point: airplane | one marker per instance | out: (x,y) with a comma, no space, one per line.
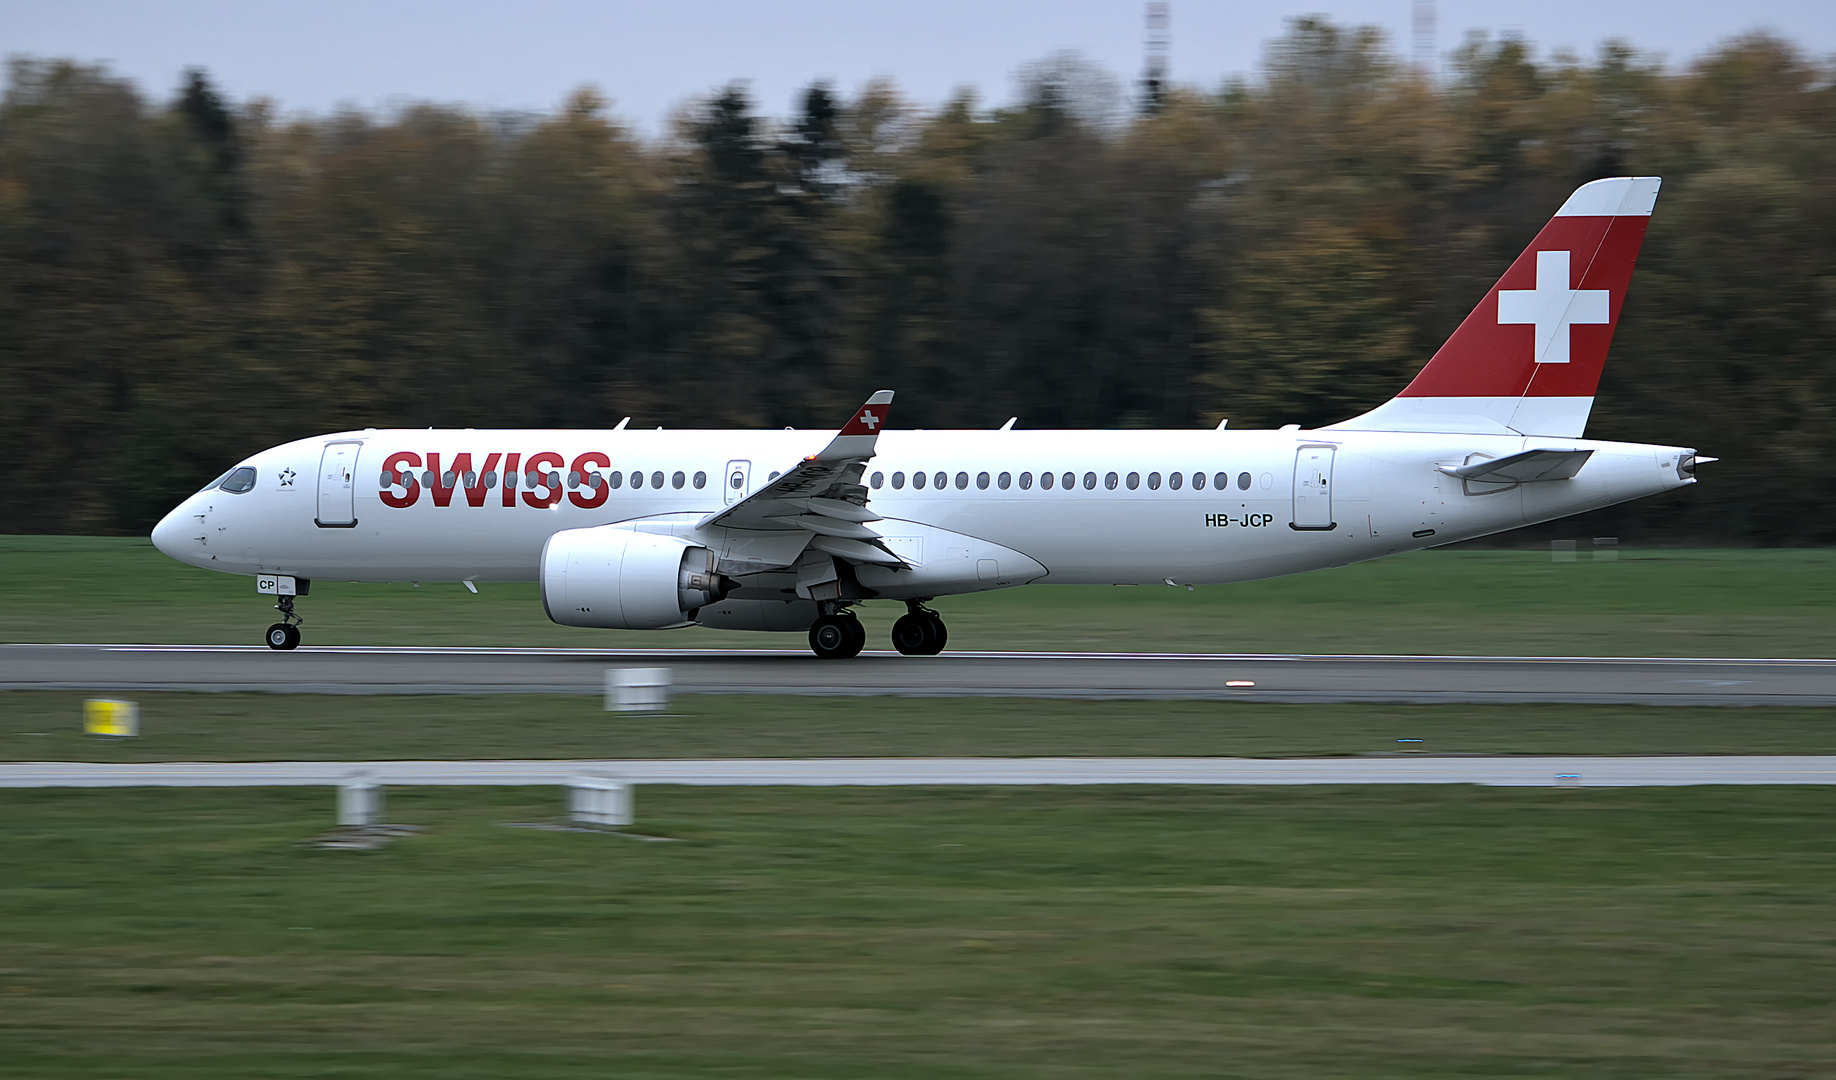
(635,529)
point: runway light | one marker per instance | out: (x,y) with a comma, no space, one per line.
(1238,682)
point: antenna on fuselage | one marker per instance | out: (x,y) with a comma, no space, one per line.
(1009,426)
(620,426)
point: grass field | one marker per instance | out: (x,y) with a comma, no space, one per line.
(1017,932)
(45,726)
(1656,603)
(1370,932)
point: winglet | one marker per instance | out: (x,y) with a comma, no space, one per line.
(857,437)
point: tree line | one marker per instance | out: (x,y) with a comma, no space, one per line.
(183,282)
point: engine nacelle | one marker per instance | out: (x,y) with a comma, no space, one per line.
(616,578)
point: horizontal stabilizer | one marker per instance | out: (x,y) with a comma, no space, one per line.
(1524,468)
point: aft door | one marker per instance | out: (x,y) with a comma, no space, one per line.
(738,480)
(337,470)
(1312,487)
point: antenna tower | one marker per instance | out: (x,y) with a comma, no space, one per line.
(1425,59)
(1154,78)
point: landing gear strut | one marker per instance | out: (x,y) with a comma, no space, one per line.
(920,631)
(837,635)
(286,633)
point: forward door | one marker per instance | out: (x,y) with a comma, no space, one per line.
(1313,487)
(337,492)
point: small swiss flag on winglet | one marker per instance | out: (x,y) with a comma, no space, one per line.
(870,418)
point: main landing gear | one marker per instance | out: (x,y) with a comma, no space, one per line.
(920,631)
(286,633)
(838,635)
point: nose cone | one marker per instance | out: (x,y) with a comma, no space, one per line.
(169,533)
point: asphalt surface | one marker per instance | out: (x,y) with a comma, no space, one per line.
(831,772)
(1235,677)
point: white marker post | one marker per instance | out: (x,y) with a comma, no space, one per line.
(637,689)
(599,801)
(360,801)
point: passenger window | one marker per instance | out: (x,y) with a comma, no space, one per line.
(1004,481)
(1045,481)
(595,481)
(427,478)
(1090,481)
(701,480)
(940,481)
(918,480)
(239,480)
(470,478)
(1026,481)
(490,478)
(617,479)
(1174,480)
(1110,481)
(637,480)
(446,478)
(554,480)
(678,480)
(1198,481)
(898,481)
(981,481)
(510,480)
(1243,481)
(1153,481)
(1221,481)
(1068,481)
(962,481)
(879,480)
(573,479)
(1134,480)
(774,475)
(656,480)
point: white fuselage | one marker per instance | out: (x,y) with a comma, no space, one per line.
(1291,501)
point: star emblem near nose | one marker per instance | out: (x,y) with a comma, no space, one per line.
(286,477)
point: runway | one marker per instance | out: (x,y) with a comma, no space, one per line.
(1191,676)
(880,772)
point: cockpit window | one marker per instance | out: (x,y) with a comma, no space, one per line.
(239,480)
(218,482)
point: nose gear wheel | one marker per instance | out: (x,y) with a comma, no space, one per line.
(286,633)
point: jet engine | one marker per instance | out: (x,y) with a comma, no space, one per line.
(616,578)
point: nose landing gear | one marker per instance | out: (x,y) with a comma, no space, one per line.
(286,633)
(920,631)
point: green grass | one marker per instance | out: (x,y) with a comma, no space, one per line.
(1682,603)
(1325,932)
(45,726)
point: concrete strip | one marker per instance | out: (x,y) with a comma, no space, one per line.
(826,772)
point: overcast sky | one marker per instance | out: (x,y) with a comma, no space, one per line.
(313,56)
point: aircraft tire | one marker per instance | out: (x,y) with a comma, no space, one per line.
(837,637)
(913,635)
(942,633)
(282,636)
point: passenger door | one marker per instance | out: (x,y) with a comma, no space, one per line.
(337,493)
(1312,488)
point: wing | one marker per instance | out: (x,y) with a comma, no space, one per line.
(823,494)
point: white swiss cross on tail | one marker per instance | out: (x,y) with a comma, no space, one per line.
(872,421)
(1552,307)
